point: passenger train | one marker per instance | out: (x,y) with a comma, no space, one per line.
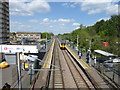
(63,46)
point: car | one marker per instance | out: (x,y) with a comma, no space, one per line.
(100,60)
(4,64)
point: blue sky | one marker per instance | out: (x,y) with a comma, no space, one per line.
(57,17)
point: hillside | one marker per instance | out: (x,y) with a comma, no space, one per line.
(102,31)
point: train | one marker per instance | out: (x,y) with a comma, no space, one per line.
(63,46)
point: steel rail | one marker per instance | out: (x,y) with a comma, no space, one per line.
(56,79)
(78,78)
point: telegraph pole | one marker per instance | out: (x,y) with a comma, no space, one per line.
(90,45)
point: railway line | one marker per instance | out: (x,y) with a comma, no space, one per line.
(65,72)
(77,78)
(56,78)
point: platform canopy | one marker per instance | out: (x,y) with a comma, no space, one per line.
(104,53)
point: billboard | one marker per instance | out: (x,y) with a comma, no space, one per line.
(18,48)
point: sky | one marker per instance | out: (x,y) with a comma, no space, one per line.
(58,17)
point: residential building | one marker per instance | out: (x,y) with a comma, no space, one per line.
(4,21)
(17,36)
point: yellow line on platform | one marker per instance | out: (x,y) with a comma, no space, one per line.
(48,59)
(82,62)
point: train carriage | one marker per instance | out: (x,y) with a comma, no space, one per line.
(62,46)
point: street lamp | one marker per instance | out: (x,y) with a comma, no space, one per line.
(89,44)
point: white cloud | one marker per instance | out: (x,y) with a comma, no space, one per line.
(105,19)
(60,20)
(39,7)
(94,6)
(71,5)
(76,24)
(33,21)
(30,8)
(19,27)
(77,28)
(65,20)
(65,5)
(45,27)
(45,20)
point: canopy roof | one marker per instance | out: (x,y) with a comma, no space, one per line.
(104,53)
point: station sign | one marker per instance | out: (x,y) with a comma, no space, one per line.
(18,48)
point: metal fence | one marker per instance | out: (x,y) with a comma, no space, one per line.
(110,70)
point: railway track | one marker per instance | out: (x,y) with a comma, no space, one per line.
(73,75)
(78,75)
(56,78)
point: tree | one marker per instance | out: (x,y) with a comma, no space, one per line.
(102,31)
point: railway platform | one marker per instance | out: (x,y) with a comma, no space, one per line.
(41,77)
(93,74)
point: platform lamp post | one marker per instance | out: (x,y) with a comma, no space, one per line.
(46,42)
(89,44)
(89,51)
(77,44)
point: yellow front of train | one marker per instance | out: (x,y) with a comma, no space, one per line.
(62,46)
